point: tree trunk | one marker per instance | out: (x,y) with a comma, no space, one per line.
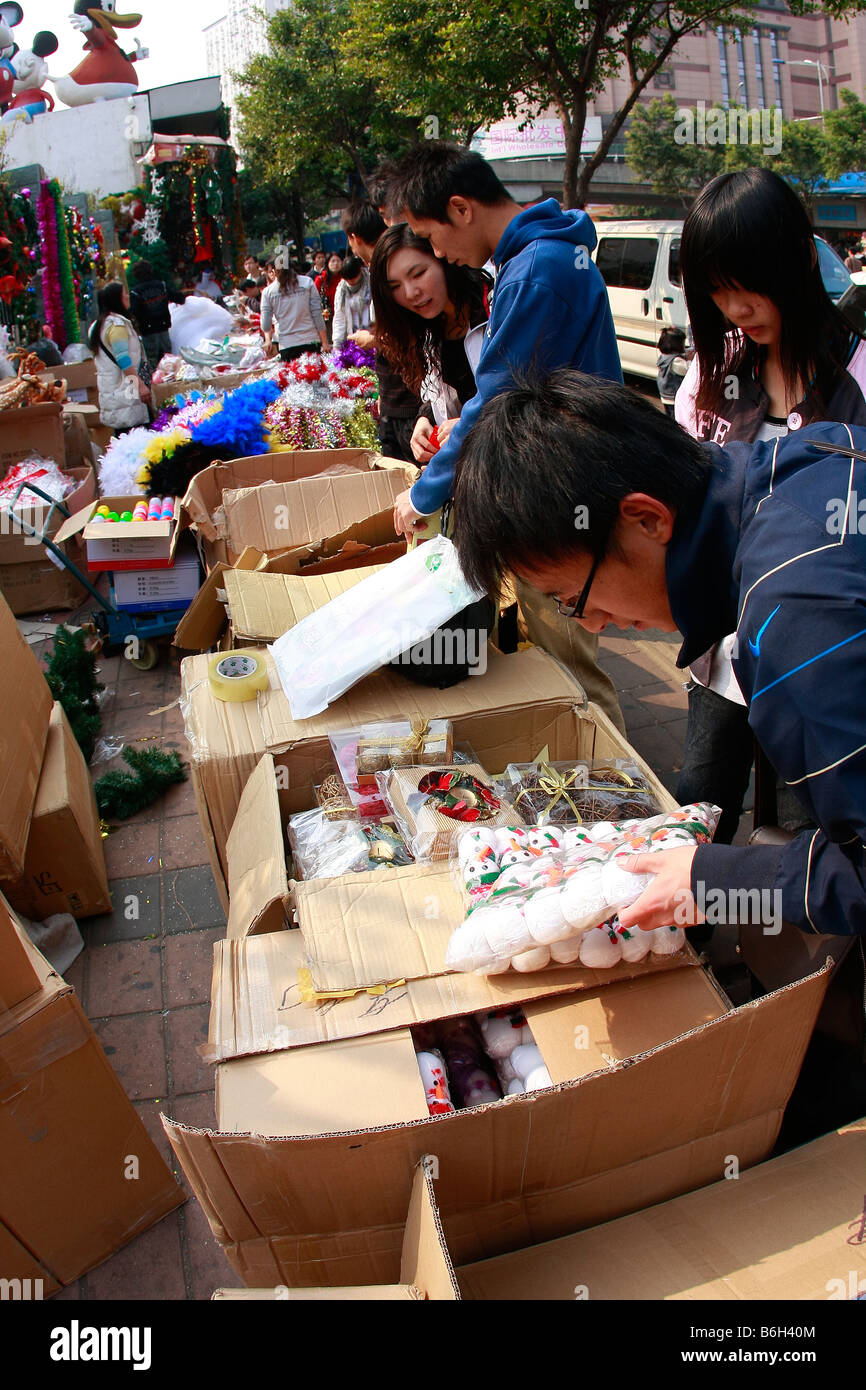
(573,123)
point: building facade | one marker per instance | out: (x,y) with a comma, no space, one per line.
(230,43)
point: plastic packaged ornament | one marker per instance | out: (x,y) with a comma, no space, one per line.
(432,806)
(324,848)
(554,793)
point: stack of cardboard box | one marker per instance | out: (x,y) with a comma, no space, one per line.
(51,857)
(656,1078)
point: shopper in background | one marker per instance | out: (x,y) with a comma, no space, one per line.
(327,283)
(550,309)
(290,304)
(150,298)
(772,354)
(118,355)
(672,366)
(352,303)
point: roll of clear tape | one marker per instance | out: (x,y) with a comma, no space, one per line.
(238,676)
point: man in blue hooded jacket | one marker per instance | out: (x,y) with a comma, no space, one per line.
(549,309)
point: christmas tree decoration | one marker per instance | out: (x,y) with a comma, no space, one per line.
(58,287)
(123,794)
(71,677)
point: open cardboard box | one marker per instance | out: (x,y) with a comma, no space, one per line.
(69,1137)
(124,545)
(520,705)
(80,378)
(30,580)
(781,1232)
(36,429)
(657,1081)
(359,546)
(64,868)
(276,501)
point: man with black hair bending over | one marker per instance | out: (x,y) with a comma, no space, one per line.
(550,309)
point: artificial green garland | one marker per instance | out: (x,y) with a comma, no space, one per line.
(120,794)
(71,677)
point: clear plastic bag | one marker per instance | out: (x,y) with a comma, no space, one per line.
(540,894)
(432,806)
(578,792)
(369,625)
(324,848)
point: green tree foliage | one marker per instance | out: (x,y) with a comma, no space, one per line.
(845,130)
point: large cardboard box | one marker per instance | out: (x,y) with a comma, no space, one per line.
(37,429)
(123,545)
(79,1174)
(781,1232)
(360,546)
(32,580)
(26,704)
(308,1179)
(19,978)
(80,378)
(520,705)
(64,868)
(172,587)
(278,501)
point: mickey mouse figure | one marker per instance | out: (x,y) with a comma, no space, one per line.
(27,68)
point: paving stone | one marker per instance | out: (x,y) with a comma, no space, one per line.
(132,850)
(124,977)
(183,845)
(208,1266)
(189,966)
(116,926)
(186,1029)
(135,1048)
(191,900)
(149,1267)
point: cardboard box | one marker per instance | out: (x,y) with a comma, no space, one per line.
(26,703)
(69,1138)
(19,978)
(32,580)
(64,868)
(262,606)
(80,378)
(17,547)
(360,546)
(123,545)
(673,1081)
(37,429)
(276,501)
(175,587)
(781,1232)
(522,704)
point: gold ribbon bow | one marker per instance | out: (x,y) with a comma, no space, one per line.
(411,743)
(554,785)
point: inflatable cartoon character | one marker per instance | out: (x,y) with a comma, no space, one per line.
(107,71)
(31,73)
(10,17)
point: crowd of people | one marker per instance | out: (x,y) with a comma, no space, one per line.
(499,375)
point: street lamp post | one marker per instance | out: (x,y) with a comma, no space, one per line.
(808,63)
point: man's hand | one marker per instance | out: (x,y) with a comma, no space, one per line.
(420,441)
(668,900)
(364,338)
(406,519)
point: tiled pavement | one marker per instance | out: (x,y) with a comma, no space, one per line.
(144,980)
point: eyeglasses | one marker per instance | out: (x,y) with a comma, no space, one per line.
(578,608)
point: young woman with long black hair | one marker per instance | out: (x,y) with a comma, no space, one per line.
(430,317)
(772,353)
(118,357)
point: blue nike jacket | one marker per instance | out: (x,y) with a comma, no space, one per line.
(777,554)
(550,309)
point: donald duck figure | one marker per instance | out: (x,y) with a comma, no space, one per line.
(107,71)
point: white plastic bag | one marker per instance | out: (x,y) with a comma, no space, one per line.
(369,625)
(195,319)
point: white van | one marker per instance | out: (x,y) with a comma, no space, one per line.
(640,264)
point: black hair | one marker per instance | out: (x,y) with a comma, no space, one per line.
(379,185)
(544,449)
(434,171)
(749,229)
(351,268)
(411,344)
(109,301)
(141,270)
(363,220)
(248,285)
(671,340)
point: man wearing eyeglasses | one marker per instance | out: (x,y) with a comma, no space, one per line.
(686,536)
